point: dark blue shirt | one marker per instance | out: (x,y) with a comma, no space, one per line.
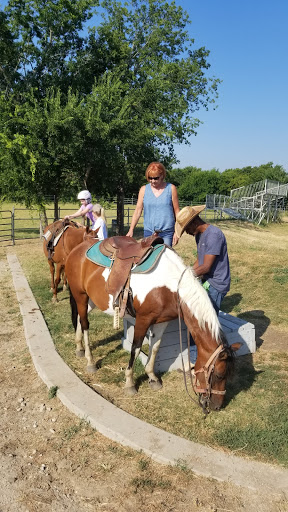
(212,241)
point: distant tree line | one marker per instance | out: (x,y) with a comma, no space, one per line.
(193,183)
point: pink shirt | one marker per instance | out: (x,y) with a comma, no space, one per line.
(89,213)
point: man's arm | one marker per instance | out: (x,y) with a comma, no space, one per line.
(200,270)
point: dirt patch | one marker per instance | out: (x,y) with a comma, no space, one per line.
(50,461)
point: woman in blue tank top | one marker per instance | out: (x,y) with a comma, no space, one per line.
(160,203)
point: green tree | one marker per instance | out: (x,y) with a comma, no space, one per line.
(138,80)
(47,35)
(199,183)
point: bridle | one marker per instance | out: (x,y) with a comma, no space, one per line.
(207,369)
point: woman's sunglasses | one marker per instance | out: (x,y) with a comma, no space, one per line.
(156,178)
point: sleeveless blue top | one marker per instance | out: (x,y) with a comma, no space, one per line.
(158,211)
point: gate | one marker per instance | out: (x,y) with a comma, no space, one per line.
(7,226)
(19,224)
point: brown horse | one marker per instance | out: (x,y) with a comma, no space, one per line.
(158,296)
(60,238)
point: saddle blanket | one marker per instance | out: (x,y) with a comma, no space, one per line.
(48,236)
(95,255)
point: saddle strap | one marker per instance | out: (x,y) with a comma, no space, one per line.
(118,276)
(125,298)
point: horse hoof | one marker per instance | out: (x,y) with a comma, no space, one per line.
(91,368)
(131,391)
(155,385)
(64,287)
(55,300)
(80,353)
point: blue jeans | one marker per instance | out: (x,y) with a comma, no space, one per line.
(216,299)
(167,235)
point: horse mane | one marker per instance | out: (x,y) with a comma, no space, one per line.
(192,294)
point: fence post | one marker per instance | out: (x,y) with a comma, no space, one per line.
(128,211)
(41,226)
(13,225)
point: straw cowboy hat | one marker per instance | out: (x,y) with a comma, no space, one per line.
(185,216)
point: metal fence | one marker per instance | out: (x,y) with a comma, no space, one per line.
(27,224)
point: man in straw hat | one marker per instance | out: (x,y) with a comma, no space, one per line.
(212,263)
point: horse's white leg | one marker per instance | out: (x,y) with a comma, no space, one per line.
(158,331)
(91,368)
(78,339)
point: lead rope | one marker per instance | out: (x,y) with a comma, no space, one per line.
(181,346)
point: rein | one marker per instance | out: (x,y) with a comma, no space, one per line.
(207,368)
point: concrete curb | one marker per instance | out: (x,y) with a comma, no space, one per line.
(122,427)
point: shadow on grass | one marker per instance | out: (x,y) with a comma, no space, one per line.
(243,377)
(245,374)
(260,320)
(230,301)
(256,317)
(106,341)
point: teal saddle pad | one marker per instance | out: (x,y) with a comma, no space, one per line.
(95,255)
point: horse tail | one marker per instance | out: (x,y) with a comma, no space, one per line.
(74,310)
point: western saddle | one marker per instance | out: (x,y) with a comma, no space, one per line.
(125,252)
(56,230)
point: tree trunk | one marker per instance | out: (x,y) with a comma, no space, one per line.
(120,211)
(56,206)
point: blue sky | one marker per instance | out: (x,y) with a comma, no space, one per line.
(248,41)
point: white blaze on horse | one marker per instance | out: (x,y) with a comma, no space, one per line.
(157,297)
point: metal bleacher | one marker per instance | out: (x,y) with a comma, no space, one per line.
(260,201)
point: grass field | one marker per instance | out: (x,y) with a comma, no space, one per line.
(254,422)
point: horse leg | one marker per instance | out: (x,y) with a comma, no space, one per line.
(78,340)
(83,310)
(57,281)
(64,278)
(158,330)
(52,272)
(139,333)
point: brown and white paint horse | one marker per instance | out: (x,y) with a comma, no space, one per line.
(156,298)
(73,235)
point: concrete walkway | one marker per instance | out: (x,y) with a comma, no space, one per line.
(121,426)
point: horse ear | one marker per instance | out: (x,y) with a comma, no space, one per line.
(236,346)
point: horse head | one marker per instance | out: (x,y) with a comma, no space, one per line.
(215,357)
(90,233)
(210,375)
